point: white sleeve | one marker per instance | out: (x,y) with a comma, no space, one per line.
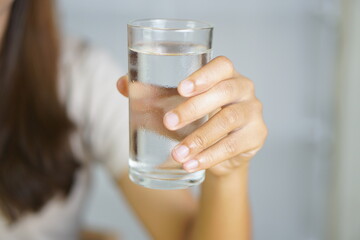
(98,109)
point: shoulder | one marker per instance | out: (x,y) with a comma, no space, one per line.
(80,56)
(85,72)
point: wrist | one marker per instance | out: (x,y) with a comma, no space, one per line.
(238,174)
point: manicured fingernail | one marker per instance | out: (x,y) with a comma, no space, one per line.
(181,152)
(191,165)
(186,87)
(171,119)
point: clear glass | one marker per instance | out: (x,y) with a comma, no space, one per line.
(162,52)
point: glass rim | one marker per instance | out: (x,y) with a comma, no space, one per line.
(206,26)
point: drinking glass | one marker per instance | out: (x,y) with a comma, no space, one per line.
(161,53)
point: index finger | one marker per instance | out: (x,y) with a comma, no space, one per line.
(218,69)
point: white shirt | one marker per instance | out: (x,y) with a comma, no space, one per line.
(87,87)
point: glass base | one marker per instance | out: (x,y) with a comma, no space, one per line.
(166,179)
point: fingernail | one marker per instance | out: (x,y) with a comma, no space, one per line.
(171,119)
(186,87)
(191,165)
(181,152)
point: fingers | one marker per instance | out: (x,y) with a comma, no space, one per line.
(122,85)
(225,92)
(225,121)
(229,119)
(235,132)
(243,143)
(218,69)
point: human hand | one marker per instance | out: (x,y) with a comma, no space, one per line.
(235,130)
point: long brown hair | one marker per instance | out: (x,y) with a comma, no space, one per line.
(36,162)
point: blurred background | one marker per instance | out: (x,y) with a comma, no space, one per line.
(301,54)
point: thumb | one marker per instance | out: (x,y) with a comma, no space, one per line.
(122,85)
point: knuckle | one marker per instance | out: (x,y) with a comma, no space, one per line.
(225,119)
(262,134)
(250,86)
(198,141)
(222,124)
(265,131)
(227,89)
(231,116)
(226,61)
(192,108)
(207,160)
(257,105)
(230,146)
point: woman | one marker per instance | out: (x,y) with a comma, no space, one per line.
(59,112)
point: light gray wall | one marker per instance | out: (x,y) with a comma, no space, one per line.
(288,48)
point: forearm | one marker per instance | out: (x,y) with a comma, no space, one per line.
(224,208)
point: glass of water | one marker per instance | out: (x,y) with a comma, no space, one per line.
(162,52)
